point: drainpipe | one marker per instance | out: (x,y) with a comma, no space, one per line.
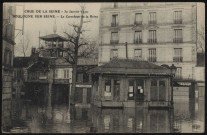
(126,51)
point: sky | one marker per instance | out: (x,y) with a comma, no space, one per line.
(44,26)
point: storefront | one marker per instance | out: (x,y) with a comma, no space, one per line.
(130,83)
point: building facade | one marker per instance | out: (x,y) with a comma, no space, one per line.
(8,49)
(162,33)
(8,36)
(130,83)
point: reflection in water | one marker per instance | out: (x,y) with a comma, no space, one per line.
(187,116)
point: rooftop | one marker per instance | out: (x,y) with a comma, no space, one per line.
(129,66)
(53,37)
(20,62)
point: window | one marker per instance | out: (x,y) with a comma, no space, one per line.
(178,74)
(60,44)
(152,18)
(178,17)
(85,78)
(177,55)
(79,77)
(114,20)
(114,38)
(114,53)
(157,90)
(178,36)
(152,55)
(138,37)
(8,31)
(60,53)
(115,4)
(7,57)
(131,90)
(108,86)
(138,53)
(66,73)
(53,44)
(152,36)
(107,92)
(138,18)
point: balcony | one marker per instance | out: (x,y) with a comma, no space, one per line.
(138,41)
(153,22)
(152,41)
(177,40)
(114,24)
(178,21)
(177,59)
(152,59)
(138,23)
(114,42)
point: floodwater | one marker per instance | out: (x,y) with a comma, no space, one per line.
(26,117)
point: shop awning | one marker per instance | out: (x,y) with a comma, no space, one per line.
(130,66)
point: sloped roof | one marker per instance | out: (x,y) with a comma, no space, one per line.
(130,66)
(20,62)
(52,37)
(41,64)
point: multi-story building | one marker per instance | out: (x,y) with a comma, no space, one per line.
(8,43)
(162,33)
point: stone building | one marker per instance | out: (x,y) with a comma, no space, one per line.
(162,33)
(8,36)
(8,48)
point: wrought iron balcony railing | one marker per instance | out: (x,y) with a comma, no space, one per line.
(152,59)
(113,24)
(178,40)
(151,41)
(114,41)
(180,21)
(138,23)
(137,41)
(177,59)
(153,22)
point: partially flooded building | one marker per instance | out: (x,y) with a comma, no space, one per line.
(131,83)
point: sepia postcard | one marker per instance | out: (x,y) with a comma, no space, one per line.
(103,67)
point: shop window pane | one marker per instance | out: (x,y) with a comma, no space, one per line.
(131,90)
(153,83)
(153,91)
(162,91)
(108,85)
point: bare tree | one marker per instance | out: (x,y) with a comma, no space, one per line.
(201,39)
(78,46)
(23,46)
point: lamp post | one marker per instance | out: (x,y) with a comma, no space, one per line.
(173,71)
